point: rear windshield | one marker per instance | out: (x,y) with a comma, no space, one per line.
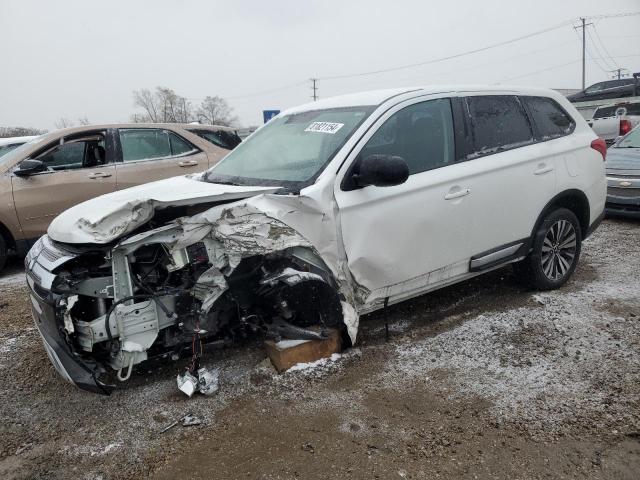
(604,112)
(615,110)
(219,138)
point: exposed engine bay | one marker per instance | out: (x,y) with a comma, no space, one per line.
(166,292)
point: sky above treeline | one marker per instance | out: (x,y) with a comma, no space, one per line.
(77,58)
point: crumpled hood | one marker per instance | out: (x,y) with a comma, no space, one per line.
(108,217)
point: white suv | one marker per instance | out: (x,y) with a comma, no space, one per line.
(331,210)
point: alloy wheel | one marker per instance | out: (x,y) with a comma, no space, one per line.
(559,250)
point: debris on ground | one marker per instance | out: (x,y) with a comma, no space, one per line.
(188,420)
(206,383)
(474,376)
(287,353)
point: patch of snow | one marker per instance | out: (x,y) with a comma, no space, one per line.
(318,363)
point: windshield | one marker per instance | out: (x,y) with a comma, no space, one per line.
(291,150)
(8,156)
(632,140)
(4,149)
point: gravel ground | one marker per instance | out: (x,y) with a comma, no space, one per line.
(479,380)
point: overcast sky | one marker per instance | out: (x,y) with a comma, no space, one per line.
(81,58)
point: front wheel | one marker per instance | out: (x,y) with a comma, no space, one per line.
(3,252)
(555,251)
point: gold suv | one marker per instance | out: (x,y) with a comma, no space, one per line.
(53,172)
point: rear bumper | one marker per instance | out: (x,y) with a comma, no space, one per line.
(70,365)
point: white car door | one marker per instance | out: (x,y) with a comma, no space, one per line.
(513,173)
(403,239)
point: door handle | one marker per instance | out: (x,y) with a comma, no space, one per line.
(188,163)
(462,192)
(95,175)
(542,169)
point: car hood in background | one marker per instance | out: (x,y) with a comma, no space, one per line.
(106,218)
(623,161)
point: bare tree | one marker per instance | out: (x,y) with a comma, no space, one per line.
(161,106)
(146,100)
(63,122)
(216,111)
(84,121)
(6,132)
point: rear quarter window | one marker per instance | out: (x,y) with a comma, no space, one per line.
(550,119)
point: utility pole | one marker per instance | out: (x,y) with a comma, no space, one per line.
(618,73)
(584,48)
(314,87)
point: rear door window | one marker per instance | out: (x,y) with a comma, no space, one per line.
(144,144)
(550,119)
(499,123)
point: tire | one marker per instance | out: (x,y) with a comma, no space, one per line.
(3,252)
(554,253)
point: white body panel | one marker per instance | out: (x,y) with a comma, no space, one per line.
(395,242)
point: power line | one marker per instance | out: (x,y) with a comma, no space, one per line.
(619,72)
(599,52)
(264,92)
(584,48)
(437,60)
(558,66)
(595,30)
(470,52)
(449,57)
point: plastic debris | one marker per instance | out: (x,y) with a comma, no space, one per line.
(208,380)
(187,383)
(190,420)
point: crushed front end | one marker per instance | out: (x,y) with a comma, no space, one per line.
(232,273)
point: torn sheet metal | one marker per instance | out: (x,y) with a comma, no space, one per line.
(106,218)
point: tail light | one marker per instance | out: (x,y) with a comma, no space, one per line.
(625,127)
(600,145)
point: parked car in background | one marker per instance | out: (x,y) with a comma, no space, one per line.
(11,143)
(225,137)
(332,209)
(613,121)
(49,174)
(623,176)
(624,87)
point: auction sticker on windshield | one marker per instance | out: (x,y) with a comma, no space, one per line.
(324,127)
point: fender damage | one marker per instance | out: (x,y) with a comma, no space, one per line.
(267,265)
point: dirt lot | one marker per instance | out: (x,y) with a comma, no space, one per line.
(480,380)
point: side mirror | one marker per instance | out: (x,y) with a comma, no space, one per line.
(380,171)
(30,167)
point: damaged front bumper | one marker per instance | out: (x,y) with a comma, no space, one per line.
(227,273)
(82,372)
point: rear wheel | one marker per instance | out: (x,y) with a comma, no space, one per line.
(3,252)
(555,252)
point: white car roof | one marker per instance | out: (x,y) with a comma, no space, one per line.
(377,97)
